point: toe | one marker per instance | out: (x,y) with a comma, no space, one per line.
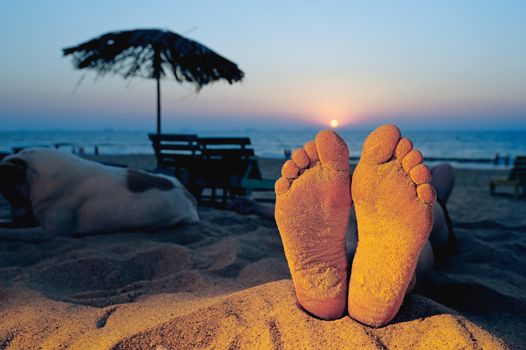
(403,148)
(282,185)
(380,144)
(332,150)
(426,193)
(412,159)
(290,170)
(300,158)
(310,149)
(420,174)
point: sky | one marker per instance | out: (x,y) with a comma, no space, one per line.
(419,64)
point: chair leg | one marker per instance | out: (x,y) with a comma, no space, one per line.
(225,193)
(213,195)
(229,191)
(195,191)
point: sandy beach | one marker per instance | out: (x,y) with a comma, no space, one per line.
(224,284)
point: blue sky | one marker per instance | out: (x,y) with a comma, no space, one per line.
(420,64)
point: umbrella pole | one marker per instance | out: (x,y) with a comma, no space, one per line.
(158,105)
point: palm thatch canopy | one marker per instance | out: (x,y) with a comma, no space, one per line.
(152,53)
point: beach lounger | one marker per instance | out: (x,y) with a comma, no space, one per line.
(215,163)
(224,161)
(515,179)
(229,164)
(178,155)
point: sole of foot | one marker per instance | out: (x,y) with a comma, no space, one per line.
(393,200)
(313,202)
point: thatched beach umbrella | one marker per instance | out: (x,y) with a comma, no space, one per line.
(151,53)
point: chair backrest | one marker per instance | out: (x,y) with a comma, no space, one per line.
(226,156)
(519,169)
(173,150)
(226,147)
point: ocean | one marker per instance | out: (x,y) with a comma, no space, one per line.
(271,143)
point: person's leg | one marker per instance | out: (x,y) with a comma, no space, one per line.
(393,201)
(425,260)
(247,206)
(313,201)
(439,236)
(442,237)
(443,180)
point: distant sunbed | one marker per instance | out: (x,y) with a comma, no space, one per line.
(515,179)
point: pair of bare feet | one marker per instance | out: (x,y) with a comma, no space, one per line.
(393,201)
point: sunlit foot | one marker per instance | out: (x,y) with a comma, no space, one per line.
(393,201)
(312,212)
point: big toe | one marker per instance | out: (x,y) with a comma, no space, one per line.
(332,150)
(380,144)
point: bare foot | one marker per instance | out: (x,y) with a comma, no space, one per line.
(393,201)
(313,201)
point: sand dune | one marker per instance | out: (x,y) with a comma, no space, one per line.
(224,283)
(266,317)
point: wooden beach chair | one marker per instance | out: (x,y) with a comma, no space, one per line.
(178,155)
(229,164)
(515,179)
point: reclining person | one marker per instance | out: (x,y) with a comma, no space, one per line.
(394,206)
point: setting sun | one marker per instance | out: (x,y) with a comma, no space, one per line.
(334,123)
